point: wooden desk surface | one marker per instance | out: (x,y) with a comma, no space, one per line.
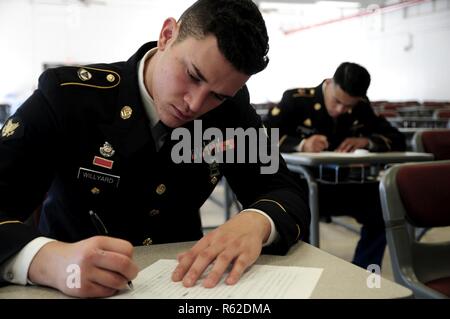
(340,279)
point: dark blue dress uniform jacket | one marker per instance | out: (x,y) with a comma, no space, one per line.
(47,152)
(302,113)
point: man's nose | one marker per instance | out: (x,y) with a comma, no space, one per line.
(195,99)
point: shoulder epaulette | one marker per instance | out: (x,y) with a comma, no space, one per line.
(89,76)
(304,92)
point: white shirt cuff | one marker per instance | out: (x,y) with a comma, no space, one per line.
(273,231)
(300,146)
(15,269)
(371,145)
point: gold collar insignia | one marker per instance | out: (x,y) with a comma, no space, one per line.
(9,128)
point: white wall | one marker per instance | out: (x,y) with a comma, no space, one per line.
(407,53)
(408,57)
(34,32)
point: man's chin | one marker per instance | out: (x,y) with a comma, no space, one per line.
(334,115)
(173,122)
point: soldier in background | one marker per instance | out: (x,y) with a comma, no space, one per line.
(337,116)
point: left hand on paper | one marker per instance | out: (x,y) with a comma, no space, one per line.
(352,143)
(237,242)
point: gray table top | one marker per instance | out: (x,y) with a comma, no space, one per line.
(322,158)
(339,279)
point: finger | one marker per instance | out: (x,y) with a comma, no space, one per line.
(186,259)
(319,148)
(324,141)
(344,150)
(100,291)
(220,266)
(349,147)
(240,265)
(362,145)
(108,279)
(318,145)
(323,145)
(203,260)
(91,290)
(115,262)
(115,244)
(343,147)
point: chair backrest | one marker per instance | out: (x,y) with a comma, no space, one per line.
(436,142)
(388,113)
(442,114)
(418,194)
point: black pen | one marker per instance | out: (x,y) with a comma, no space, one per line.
(101,229)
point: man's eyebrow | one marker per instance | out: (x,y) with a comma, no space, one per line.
(202,77)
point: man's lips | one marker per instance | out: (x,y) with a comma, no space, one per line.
(180,114)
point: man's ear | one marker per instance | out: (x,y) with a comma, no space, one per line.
(168,32)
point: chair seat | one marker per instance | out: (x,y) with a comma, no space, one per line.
(442,285)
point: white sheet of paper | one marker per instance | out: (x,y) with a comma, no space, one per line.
(337,154)
(260,281)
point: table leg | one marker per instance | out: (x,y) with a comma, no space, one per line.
(313,201)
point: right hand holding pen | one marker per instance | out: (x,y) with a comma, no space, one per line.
(315,143)
(105,266)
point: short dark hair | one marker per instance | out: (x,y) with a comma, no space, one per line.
(238,26)
(352,78)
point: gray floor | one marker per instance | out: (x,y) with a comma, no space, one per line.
(334,238)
